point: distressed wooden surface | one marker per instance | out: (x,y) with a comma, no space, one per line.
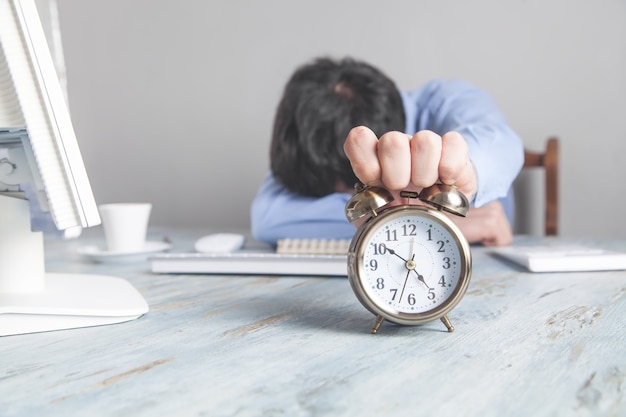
(525,344)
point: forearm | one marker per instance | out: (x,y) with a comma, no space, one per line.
(495,150)
(497,154)
(279,214)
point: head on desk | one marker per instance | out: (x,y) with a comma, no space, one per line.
(321,102)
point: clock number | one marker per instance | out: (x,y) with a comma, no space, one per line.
(393,291)
(411,299)
(440,243)
(391,235)
(442,281)
(380,283)
(373,265)
(446,263)
(380,249)
(409,230)
(429,232)
(431,294)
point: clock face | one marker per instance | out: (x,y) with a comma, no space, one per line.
(410,264)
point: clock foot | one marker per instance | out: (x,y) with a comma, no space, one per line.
(447,323)
(377,323)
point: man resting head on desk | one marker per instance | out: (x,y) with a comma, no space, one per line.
(342,120)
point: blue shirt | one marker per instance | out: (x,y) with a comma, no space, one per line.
(441,106)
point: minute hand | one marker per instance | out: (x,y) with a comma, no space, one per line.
(393,252)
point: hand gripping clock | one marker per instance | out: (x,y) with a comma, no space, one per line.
(408,264)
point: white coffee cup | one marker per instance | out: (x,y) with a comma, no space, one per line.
(125,225)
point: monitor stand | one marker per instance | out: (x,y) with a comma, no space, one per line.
(32,300)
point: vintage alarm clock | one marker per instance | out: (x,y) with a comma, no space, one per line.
(408,264)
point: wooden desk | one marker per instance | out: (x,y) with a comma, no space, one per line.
(524,345)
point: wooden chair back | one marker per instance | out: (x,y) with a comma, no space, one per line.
(549,161)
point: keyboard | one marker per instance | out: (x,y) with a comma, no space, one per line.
(293,257)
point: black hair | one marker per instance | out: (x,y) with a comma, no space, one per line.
(322,101)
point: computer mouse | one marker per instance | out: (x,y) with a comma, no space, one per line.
(219,243)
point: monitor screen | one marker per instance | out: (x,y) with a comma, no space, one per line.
(39,152)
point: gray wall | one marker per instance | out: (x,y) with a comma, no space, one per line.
(173,100)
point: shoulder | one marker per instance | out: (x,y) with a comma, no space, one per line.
(442,89)
(428,106)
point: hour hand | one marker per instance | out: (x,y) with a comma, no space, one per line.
(420,277)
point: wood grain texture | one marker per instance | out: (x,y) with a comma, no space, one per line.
(524,344)
(548,159)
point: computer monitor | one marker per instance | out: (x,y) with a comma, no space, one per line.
(39,151)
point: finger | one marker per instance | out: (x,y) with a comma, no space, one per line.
(394,155)
(425,155)
(455,166)
(361,149)
(454,157)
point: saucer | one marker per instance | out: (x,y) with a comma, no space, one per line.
(98,254)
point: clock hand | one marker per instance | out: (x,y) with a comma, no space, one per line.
(421,278)
(410,265)
(393,252)
(404,286)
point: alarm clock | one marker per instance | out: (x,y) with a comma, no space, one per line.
(408,264)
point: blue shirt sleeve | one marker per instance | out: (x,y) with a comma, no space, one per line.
(495,150)
(280,214)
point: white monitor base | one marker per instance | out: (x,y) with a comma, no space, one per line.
(70,301)
(32,300)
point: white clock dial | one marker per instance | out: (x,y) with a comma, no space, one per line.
(411,263)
